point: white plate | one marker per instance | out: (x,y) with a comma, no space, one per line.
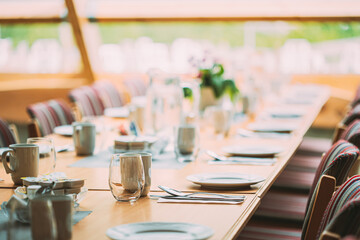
(64,130)
(117,112)
(132,138)
(67,130)
(224,180)
(253,150)
(159,231)
(272,127)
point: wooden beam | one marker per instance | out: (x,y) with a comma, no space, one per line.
(79,37)
(226,10)
(36,83)
(35,11)
(17,76)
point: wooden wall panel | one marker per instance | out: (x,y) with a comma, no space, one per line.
(13,103)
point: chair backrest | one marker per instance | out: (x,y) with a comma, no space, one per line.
(108,93)
(337,163)
(342,215)
(322,196)
(87,100)
(352,133)
(352,115)
(135,86)
(48,115)
(6,136)
(356,99)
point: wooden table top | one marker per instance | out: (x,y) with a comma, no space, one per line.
(224,219)
(233,218)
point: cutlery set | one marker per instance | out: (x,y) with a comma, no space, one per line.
(219,159)
(252,134)
(178,196)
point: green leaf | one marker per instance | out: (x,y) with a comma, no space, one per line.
(187,92)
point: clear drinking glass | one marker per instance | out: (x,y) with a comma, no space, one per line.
(126,176)
(220,119)
(47,155)
(43,220)
(186,142)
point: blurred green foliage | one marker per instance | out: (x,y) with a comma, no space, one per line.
(216,32)
(213,78)
(29,32)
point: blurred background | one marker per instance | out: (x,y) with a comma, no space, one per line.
(48,47)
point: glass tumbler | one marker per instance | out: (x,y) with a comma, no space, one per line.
(126,176)
(47,155)
(186,143)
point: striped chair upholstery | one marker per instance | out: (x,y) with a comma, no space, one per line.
(88,101)
(336,162)
(346,221)
(50,114)
(6,136)
(108,93)
(135,86)
(287,205)
(352,115)
(352,133)
(342,215)
(356,99)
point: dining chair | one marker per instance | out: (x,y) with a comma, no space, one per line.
(352,134)
(258,231)
(331,172)
(109,94)
(87,101)
(300,172)
(342,215)
(336,162)
(356,98)
(7,137)
(48,115)
(352,115)
(333,216)
(135,86)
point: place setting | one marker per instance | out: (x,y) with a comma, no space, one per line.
(247,154)
(273,126)
(43,199)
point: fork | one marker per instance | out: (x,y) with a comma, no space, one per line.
(178,193)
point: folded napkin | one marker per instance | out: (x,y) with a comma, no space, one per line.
(189,200)
(201,199)
(245,161)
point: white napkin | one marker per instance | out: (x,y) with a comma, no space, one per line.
(245,161)
(166,200)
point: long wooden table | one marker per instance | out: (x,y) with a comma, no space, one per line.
(226,220)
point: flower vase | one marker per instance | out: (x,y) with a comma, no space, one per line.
(207,98)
